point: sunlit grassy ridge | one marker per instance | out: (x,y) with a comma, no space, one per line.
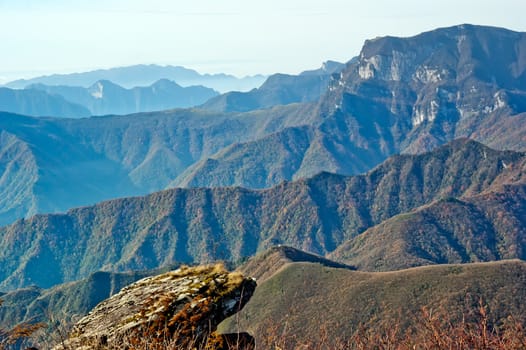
(307,302)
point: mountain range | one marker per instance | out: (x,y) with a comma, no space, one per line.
(325,214)
(278,89)
(400,95)
(145,75)
(102,98)
(358,195)
(39,103)
(52,164)
(105,97)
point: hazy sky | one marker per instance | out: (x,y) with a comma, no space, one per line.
(233,36)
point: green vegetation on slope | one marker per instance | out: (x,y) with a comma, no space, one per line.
(202,225)
(84,161)
(400,96)
(487,227)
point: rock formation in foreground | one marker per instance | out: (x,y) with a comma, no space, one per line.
(179,309)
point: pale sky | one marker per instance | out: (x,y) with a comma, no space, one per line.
(239,37)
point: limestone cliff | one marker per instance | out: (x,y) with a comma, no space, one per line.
(178,310)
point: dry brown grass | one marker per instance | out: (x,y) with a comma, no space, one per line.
(432,330)
(18,334)
(152,341)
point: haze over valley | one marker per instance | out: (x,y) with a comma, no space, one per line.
(374,197)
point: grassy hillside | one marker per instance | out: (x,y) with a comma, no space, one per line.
(305,299)
(265,264)
(60,306)
(309,302)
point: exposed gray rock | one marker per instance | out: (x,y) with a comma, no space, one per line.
(180,308)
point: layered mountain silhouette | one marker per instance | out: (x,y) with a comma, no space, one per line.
(52,164)
(145,75)
(105,97)
(320,215)
(400,95)
(278,89)
(38,103)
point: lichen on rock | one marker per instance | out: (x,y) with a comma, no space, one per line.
(178,310)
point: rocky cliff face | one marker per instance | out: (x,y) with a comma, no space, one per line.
(400,95)
(412,94)
(178,309)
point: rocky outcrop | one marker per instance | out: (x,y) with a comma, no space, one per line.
(179,309)
(410,95)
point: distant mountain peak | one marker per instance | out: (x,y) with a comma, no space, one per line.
(265,264)
(145,75)
(164,83)
(327,68)
(331,66)
(437,48)
(105,97)
(278,89)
